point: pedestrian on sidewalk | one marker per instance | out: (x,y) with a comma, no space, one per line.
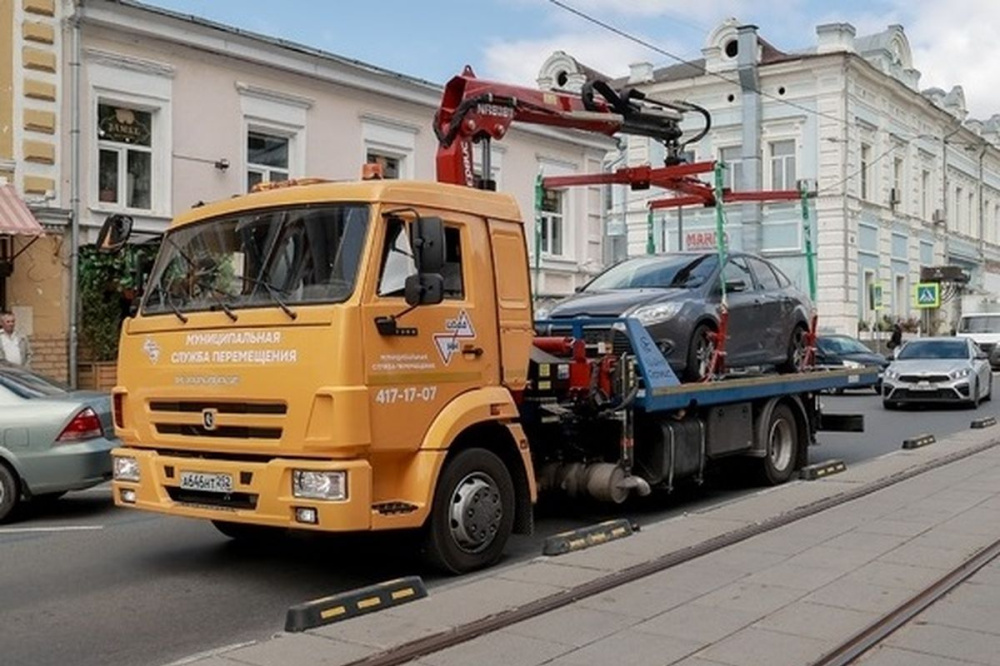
(14,347)
(896,339)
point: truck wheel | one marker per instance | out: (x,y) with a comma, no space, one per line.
(245,532)
(780,446)
(8,492)
(699,356)
(472,514)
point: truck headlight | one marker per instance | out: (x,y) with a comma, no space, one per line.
(654,314)
(308,484)
(126,468)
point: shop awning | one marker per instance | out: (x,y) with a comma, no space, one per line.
(15,217)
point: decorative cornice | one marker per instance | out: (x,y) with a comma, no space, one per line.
(250,90)
(119,61)
(389,123)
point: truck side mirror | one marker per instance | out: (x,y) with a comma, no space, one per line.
(424,289)
(428,244)
(114,233)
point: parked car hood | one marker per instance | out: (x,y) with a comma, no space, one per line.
(923,366)
(611,303)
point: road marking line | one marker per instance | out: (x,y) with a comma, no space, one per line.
(62,528)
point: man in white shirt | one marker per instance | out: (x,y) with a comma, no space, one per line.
(14,347)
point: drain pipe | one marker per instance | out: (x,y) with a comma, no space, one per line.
(74,141)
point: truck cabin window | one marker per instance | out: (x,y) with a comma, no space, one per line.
(398,264)
(301,255)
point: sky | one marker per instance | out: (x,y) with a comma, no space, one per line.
(953,42)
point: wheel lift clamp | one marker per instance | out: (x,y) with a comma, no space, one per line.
(680,178)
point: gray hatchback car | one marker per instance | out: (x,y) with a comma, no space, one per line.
(53,439)
(676,296)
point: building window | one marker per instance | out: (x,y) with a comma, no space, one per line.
(899,296)
(925,194)
(869,297)
(125,156)
(958,209)
(732,176)
(970,216)
(390,164)
(267,158)
(897,183)
(866,156)
(551,219)
(783,165)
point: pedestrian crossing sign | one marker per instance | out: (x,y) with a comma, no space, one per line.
(927,295)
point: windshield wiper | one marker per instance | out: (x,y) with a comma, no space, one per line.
(200,282)
(173,307)
(273,292)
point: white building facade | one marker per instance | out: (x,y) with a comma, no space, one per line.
(903,178)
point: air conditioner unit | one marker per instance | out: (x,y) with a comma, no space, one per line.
(937,217)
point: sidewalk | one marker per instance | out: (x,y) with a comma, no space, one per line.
(785,597)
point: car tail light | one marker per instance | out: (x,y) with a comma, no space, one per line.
(85,425)
(118,410)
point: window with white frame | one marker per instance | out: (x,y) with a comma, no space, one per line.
(925,194)
(866,158)
(970,215)
(957,208)
(732,175)
(551,235)
(389,164)
(125,156)
(897,183)
(267,158)
(899,297)
(389,143)
(783,165)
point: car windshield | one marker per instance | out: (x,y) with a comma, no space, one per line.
(842,346)
(305,254)
(28,384)
(667,272)
(933,349)
(979,324)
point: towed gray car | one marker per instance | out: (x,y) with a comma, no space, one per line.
(938,370)
(54,440)
(676,296)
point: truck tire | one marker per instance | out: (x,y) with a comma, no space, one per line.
(473,513)
(780,446)
(9,492)
(245,532)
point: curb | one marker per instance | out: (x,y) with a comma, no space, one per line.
(357,602)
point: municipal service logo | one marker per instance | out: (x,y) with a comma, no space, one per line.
(152,350)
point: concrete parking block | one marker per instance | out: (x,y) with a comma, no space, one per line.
(825,623)
(693,622)
(303,648)
(631,647)
(760,647)
(496,649)
(572,625)
(947,642)
(890,656)
(642,599)
(751,597)
(856,595)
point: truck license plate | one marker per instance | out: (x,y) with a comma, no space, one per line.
(210,483)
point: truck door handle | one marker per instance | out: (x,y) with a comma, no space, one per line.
(470,349)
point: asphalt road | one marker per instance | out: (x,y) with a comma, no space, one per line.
(86,584)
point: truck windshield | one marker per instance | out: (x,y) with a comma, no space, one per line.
(979,324)
(300,255)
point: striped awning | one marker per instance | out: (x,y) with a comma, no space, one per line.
(15,217)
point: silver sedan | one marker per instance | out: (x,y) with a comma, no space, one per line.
(938,370)
(53,440)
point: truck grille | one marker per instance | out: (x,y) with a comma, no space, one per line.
(188,407)
(198,497)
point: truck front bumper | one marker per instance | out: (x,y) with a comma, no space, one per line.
(261,492)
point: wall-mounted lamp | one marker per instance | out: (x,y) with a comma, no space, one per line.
(222,164)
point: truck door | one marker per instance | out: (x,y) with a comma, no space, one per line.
(438,351)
